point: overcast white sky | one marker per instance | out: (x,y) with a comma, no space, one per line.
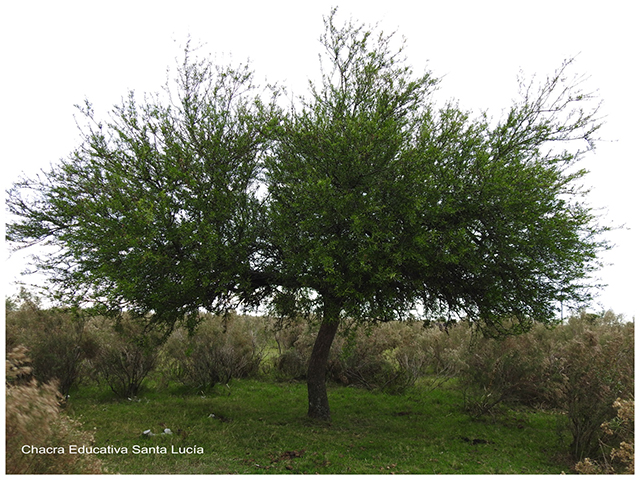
(56,54)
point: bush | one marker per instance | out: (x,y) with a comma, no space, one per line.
(579,368)
(33,418)
(593,369)
(57,339)
(222,348)
(127,354)
(358,356)
(295,339)
(369,358)
(619,459)
(444,347)
(510,370)
(291,364)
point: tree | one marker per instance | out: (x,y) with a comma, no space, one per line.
(381,204)
(378,204)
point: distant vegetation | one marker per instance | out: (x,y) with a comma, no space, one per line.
(578,374)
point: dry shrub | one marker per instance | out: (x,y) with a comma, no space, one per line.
(127,354)
(292,364)
(221,348)
(509,370)
(57,339)
(33,418)
(379,358)
(593,369)
(294,339)
(289,333)
(619,459)
(444,348)
(579,368)
(359,356)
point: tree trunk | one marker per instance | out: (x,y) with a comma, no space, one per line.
(316,381)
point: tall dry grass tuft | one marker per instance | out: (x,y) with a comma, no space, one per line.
(33,418)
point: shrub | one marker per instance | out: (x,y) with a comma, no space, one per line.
(57,340)
(291,364)
(593,370)
(127,354)
(393,356)
(619,459)
(580,368)
(287,333)
(221,348)
(294,339)
(368,358)
(509,370)
(444,347)
(33,417)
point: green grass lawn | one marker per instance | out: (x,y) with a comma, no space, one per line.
(261,427)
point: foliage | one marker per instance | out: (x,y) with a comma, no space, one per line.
(335,179)
(33,418)
(220,349)
(157,210)
(381,202)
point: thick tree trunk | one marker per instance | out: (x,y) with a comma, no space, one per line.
(316,381)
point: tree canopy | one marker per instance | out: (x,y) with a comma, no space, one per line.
(156,212)
(364,200)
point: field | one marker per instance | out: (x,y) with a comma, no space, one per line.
(261,427)
(405,398)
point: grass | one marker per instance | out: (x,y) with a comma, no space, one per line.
(261,427)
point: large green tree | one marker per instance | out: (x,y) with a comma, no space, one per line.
(364,201)
(382,204)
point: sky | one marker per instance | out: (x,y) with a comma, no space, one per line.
(57,54)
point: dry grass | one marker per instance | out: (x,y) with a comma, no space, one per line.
(34,419)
